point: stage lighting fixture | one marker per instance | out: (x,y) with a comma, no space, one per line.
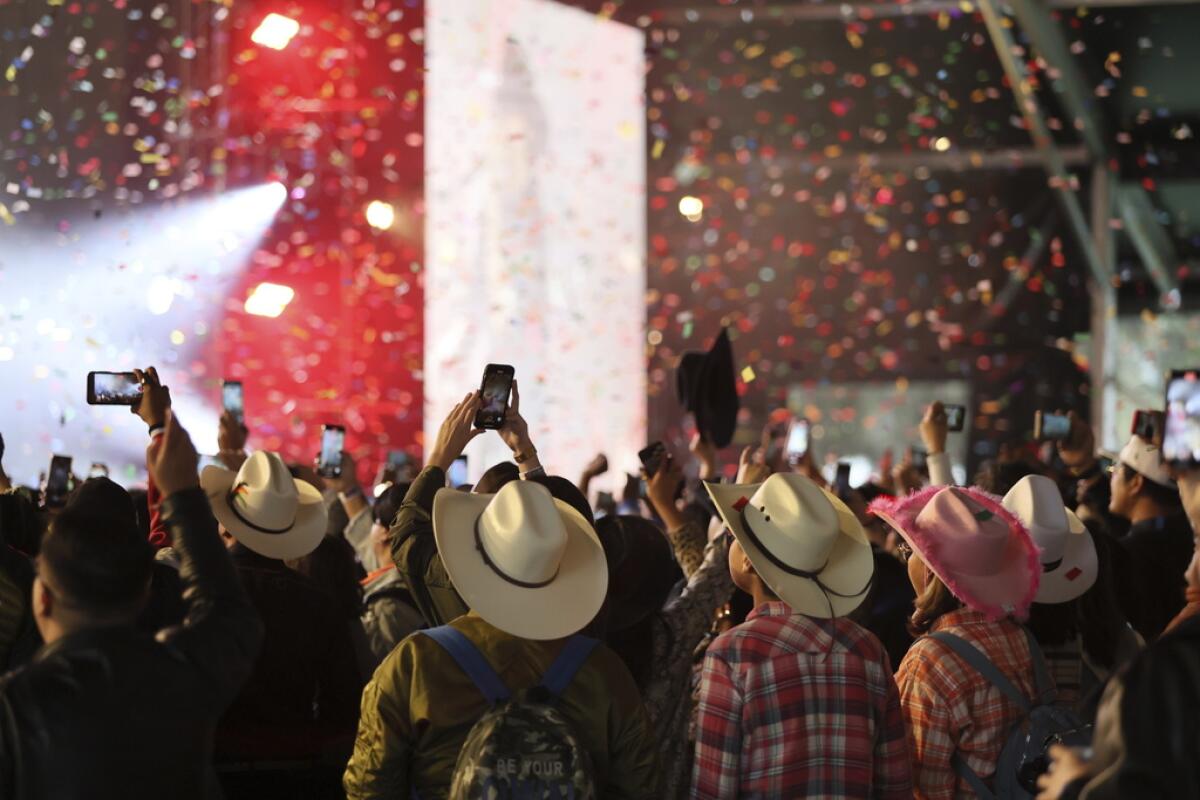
(691,207)
(941,144)
(380,215)
(269,299)
(275,31)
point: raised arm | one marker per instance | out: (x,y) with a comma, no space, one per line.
(221,632)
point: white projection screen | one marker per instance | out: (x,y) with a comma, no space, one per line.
(535,225)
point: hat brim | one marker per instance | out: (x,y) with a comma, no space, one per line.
(1078,570)
(559,609)
(1007,591)
(296,542)
(849,570)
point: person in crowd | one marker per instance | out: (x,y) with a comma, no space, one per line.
(106,710)
(300,701)
(654,629)
(1081,647)
(533,572)
(975,571)
(389,613)
(797,665)
(1145,743)
(1158,547)
(353,502)
(414,549)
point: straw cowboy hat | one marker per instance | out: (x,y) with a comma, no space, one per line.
(805,544)
(1069,564)
(976,546)
(524,561)
(265,508)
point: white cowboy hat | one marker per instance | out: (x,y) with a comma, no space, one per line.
(805,544)
(265,508)
(524,561)
(1146,459)
(1069,565)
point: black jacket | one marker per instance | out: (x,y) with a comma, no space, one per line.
(116,713)
(1149,578)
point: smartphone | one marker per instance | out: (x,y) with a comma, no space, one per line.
(458,473)
(797,441)
(956,417)
(234,400)
(652,457)
(333,442)
(398,459)
(841,484)
(1048,427)
(58,482)
(113,389)
(1147,424)
(1181,434)
(494,391)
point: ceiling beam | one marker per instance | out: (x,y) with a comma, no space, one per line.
(692,12)
(902,161)
(1154,246)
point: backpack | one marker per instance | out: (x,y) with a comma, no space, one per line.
(1025,753)
(522,748)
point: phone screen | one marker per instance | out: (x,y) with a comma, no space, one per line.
(233,399)
(652,457)
(797,441)
(113,389)
(841,485)
(333,442)
(1054,426)
(956,416)
(494,391)
(458,473)
(398,459)
(58,482)
(1181,436)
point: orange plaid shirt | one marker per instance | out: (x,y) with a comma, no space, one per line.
(951,708)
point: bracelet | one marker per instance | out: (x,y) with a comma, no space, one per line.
(537,472)
(156,429)
(521,458)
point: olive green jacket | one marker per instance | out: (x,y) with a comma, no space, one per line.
(419,707)
(415,552)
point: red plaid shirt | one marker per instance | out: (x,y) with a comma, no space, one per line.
(951,708)
(792,706)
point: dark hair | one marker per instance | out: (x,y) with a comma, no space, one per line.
(335,572)
(98,563)
(496,476)
(563,489)
(1,446)
(1054,624)
(141,509)
(387,505)
(1165,497)
(997,477)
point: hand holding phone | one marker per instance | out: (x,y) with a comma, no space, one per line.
(58,482)
(1051,427)
(956,417)
(652,457)
(494,391)
(113,389)
(233,400)
(333,442)
(841,484)
(797,441)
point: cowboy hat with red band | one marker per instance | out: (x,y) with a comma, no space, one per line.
(976,546)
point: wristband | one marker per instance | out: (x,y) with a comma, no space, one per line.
(156,430)
(537,472)
(522,457)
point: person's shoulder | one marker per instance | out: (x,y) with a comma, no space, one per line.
(858,641)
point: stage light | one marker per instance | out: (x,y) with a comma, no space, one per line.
(941,144)
(275,31)
(380,215)
(269,299)
(691,207)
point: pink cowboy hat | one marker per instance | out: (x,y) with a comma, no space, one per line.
(976,546)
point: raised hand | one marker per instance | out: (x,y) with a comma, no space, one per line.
(752,466)
(456,432)
(156,398)
(515,431)
(934,428)
(1078,450)
(231,434)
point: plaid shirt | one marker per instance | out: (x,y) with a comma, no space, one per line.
(951,708)
(792,706)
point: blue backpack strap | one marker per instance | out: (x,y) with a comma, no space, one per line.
(983,665)
(471,661)
(1044,690)
(573,656)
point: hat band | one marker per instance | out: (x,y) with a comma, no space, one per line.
(505,576)
(229,501)
(812,575)
(1052,565)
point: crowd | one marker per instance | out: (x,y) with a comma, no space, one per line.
(257,630)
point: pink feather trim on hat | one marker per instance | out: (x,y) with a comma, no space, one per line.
(902,514)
